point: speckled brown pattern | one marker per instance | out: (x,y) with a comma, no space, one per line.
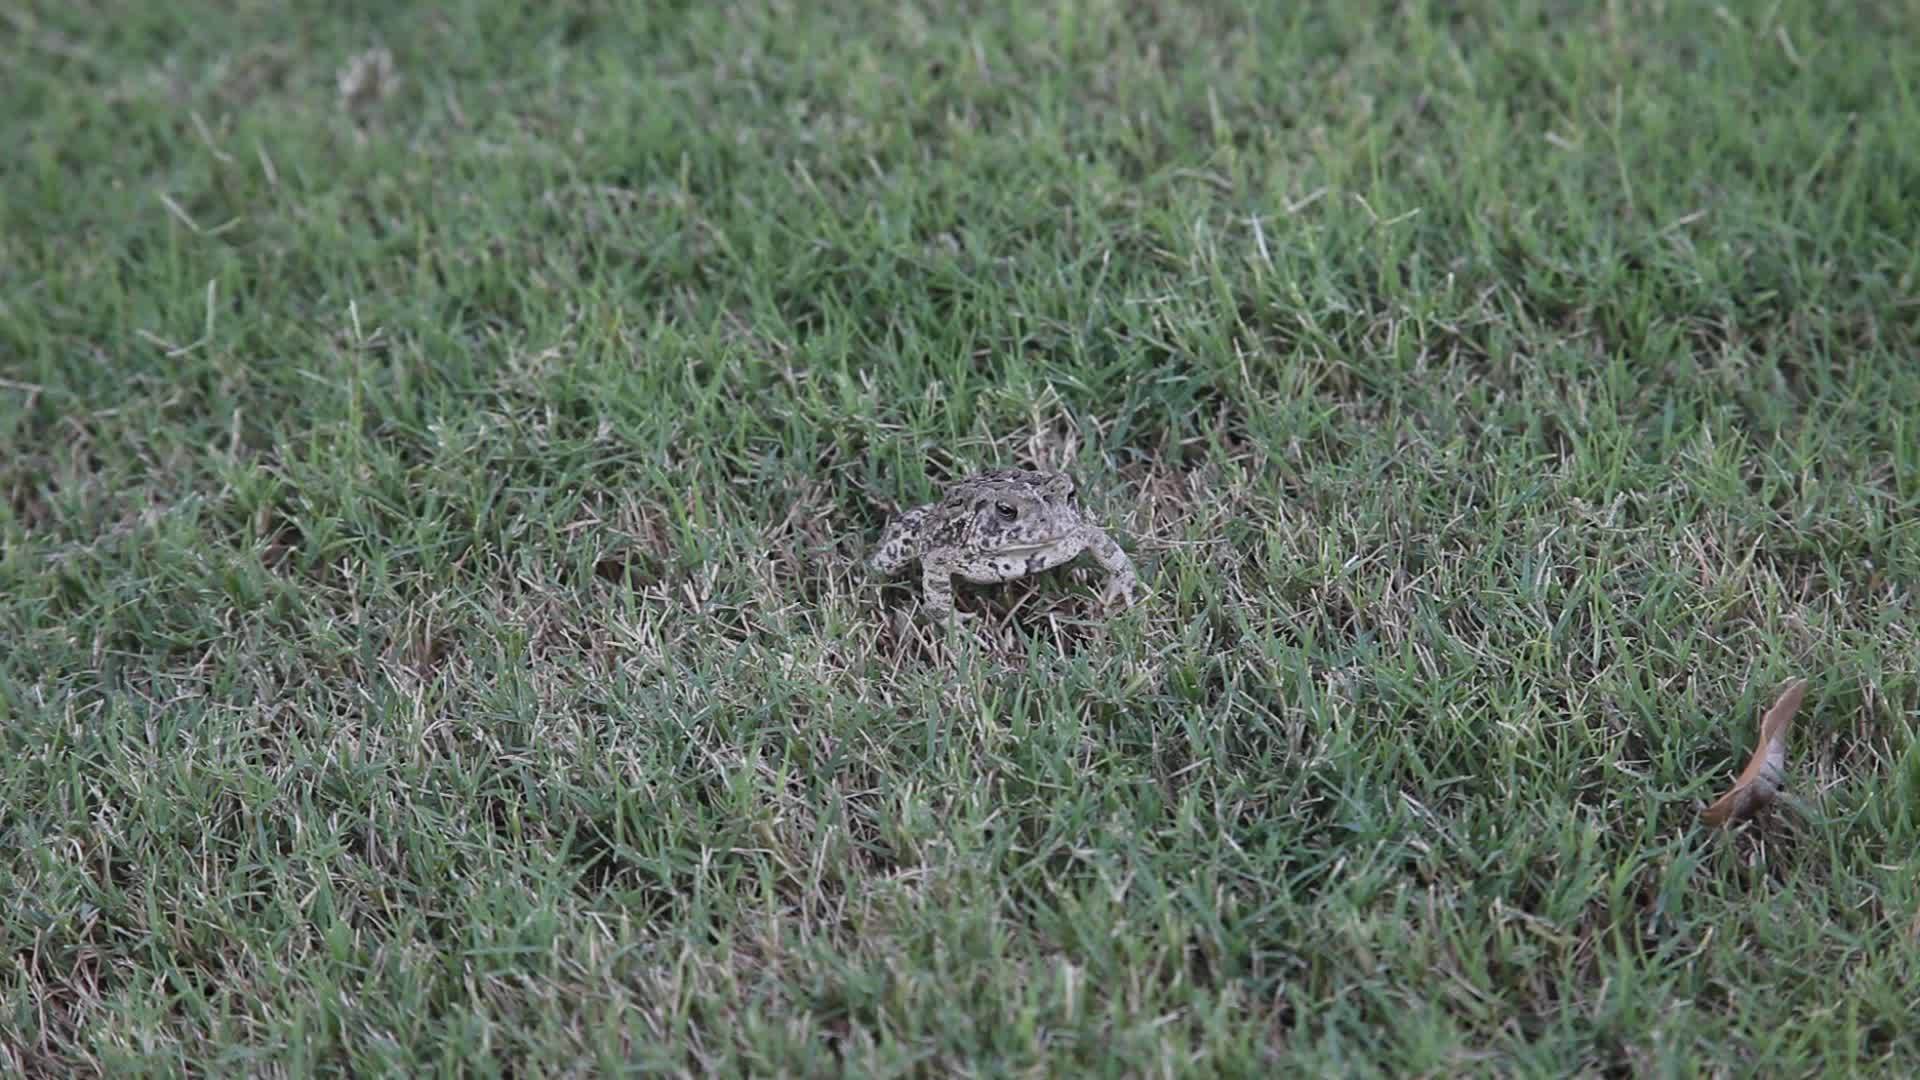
(995,526)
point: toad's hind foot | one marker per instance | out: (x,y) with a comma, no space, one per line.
(898,544)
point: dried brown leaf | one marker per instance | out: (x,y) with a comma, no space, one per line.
(1765,773)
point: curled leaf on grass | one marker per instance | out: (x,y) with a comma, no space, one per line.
(1766,771)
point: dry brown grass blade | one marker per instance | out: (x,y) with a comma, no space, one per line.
(1765,773)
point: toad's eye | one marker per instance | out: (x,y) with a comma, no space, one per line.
(1006,511)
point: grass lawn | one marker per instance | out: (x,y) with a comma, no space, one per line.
(432,631)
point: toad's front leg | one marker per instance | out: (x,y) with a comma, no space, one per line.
(936,581)
(1122,581)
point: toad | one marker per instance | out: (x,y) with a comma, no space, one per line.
(996,526)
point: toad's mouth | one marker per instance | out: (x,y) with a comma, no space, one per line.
(1030,547)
